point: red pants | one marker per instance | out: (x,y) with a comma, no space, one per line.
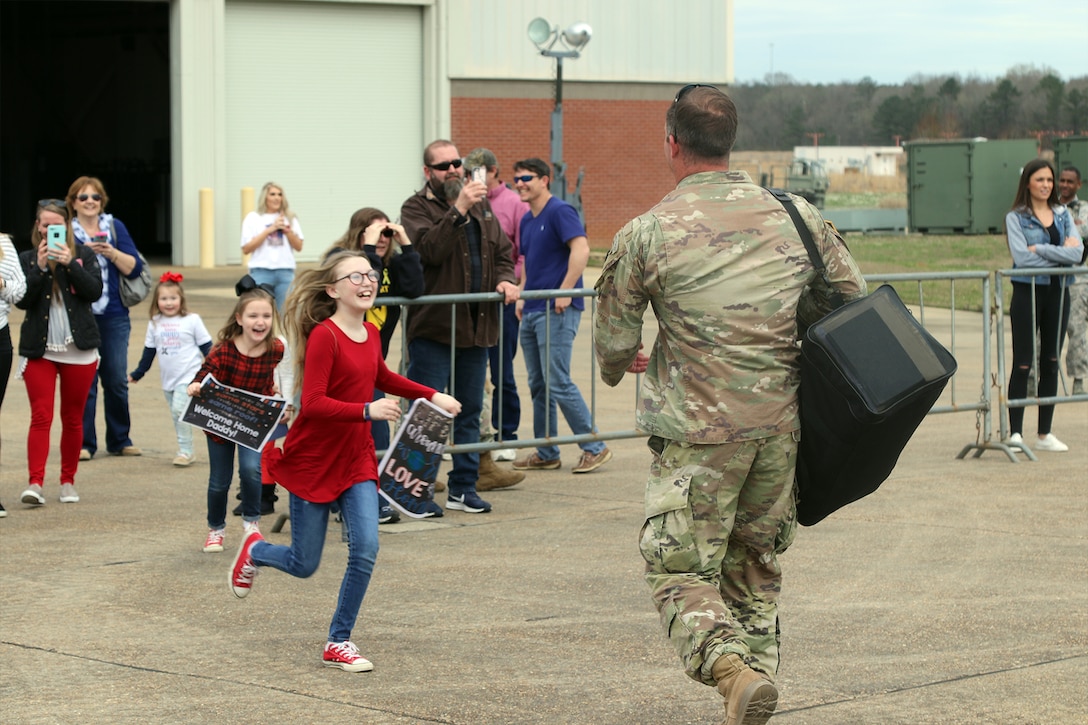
(41,385)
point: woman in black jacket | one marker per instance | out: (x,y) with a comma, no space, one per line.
(392,256)
(58,339)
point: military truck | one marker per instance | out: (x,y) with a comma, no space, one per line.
(807,179)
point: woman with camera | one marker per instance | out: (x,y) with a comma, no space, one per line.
(271,236)
(117,257)
(58,339)
(391,255)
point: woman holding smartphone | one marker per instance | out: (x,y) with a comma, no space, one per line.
(59,339)
(117,257)
(271,236)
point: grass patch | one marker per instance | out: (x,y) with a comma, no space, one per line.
(894,254)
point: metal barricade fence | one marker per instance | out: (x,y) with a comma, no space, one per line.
(1064,395)
(496,298)
(987,381)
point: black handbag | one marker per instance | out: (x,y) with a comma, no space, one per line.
(869,374)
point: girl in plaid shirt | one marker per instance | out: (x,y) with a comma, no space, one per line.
(245,356)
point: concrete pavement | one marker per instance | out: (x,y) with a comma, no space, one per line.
(955,594)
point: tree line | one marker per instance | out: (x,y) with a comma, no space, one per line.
(779,113)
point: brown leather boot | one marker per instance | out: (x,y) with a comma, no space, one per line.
(750,698)
(492,476)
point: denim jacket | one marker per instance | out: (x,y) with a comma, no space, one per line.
(1024,230)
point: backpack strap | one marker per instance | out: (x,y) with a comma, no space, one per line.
(810,244)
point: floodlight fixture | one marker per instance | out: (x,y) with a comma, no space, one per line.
(545,35)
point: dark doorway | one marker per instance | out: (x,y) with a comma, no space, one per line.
(85,89)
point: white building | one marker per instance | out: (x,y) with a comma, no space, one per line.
(866,160)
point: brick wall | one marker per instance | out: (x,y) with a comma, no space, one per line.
(619,143)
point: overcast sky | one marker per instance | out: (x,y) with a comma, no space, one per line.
(828,41)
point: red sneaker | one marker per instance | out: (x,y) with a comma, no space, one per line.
(345,655)
(244,570)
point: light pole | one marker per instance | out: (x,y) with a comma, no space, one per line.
(571,41)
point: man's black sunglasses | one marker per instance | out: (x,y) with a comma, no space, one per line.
(687,89)
(445,165)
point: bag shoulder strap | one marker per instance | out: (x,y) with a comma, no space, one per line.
(810,244)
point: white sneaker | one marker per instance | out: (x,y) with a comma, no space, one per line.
(1016,440)
(1050,443)
(68,493)
(504,454)
(33,495)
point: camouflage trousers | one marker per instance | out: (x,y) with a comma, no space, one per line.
(1076,355)
(717,517)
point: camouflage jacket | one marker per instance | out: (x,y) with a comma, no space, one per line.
(1079,209)
(721,262)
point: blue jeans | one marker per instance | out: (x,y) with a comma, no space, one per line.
(221,463)
(429,364)
(113,372)
(178,400)
(280,279)
(309,527)
(539,356)
(511,405)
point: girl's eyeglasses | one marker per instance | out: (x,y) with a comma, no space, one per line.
(356,278)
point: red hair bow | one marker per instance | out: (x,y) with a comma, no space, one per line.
(171,277)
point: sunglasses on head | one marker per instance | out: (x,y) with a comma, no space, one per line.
(688,89)
(445,165)
(85,197)
(526,178)
(42,203)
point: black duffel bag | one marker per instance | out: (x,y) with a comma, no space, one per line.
(869,374)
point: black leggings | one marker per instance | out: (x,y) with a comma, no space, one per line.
(5,360)
(1049,318)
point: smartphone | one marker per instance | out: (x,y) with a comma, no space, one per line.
(56,238)
(480,174)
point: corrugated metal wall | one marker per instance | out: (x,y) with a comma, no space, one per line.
(325,99)
(643,41)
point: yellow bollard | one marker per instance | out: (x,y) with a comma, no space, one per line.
(248,205)
(207,229)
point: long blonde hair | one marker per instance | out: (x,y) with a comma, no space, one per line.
(262,200)
(309,304)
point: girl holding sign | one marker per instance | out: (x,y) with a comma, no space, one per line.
(245,356)
(328,455)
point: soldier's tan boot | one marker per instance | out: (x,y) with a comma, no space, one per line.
(750,698)
(492,476)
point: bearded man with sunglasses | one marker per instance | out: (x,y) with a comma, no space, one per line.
(463,250)
(727,275)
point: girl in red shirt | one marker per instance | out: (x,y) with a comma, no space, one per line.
(245,356)
(328,455)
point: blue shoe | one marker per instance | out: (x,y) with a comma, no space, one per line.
(387,515)
(431,510)
(468,502)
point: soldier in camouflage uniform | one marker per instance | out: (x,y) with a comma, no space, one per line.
(728,276)
(1076,357)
